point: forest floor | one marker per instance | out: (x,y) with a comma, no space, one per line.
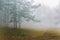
(24,34)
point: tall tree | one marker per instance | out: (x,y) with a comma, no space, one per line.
(1,4)
(15,10)
(6,12)
(22,9)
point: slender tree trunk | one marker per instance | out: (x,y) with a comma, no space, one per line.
(19,24)
(15,25)
(5,22)
(15,20)
(19,21)
(15,16)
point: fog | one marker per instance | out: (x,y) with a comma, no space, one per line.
(49,17)
(48,13)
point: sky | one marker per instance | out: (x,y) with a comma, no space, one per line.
(49,3)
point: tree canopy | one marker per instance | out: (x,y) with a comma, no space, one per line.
(14,10)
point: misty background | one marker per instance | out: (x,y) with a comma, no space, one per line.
(49,16)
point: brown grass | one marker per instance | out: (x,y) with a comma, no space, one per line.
(23,34)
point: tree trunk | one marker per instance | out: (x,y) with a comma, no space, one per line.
(15,16)
(19,25)
(19,22)
(15,25)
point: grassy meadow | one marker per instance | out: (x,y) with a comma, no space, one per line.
(7,33)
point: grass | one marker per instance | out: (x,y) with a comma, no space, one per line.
(24,34)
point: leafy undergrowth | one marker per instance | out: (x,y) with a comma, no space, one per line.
(23,34)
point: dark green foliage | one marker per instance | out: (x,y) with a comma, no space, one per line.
(15,32)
